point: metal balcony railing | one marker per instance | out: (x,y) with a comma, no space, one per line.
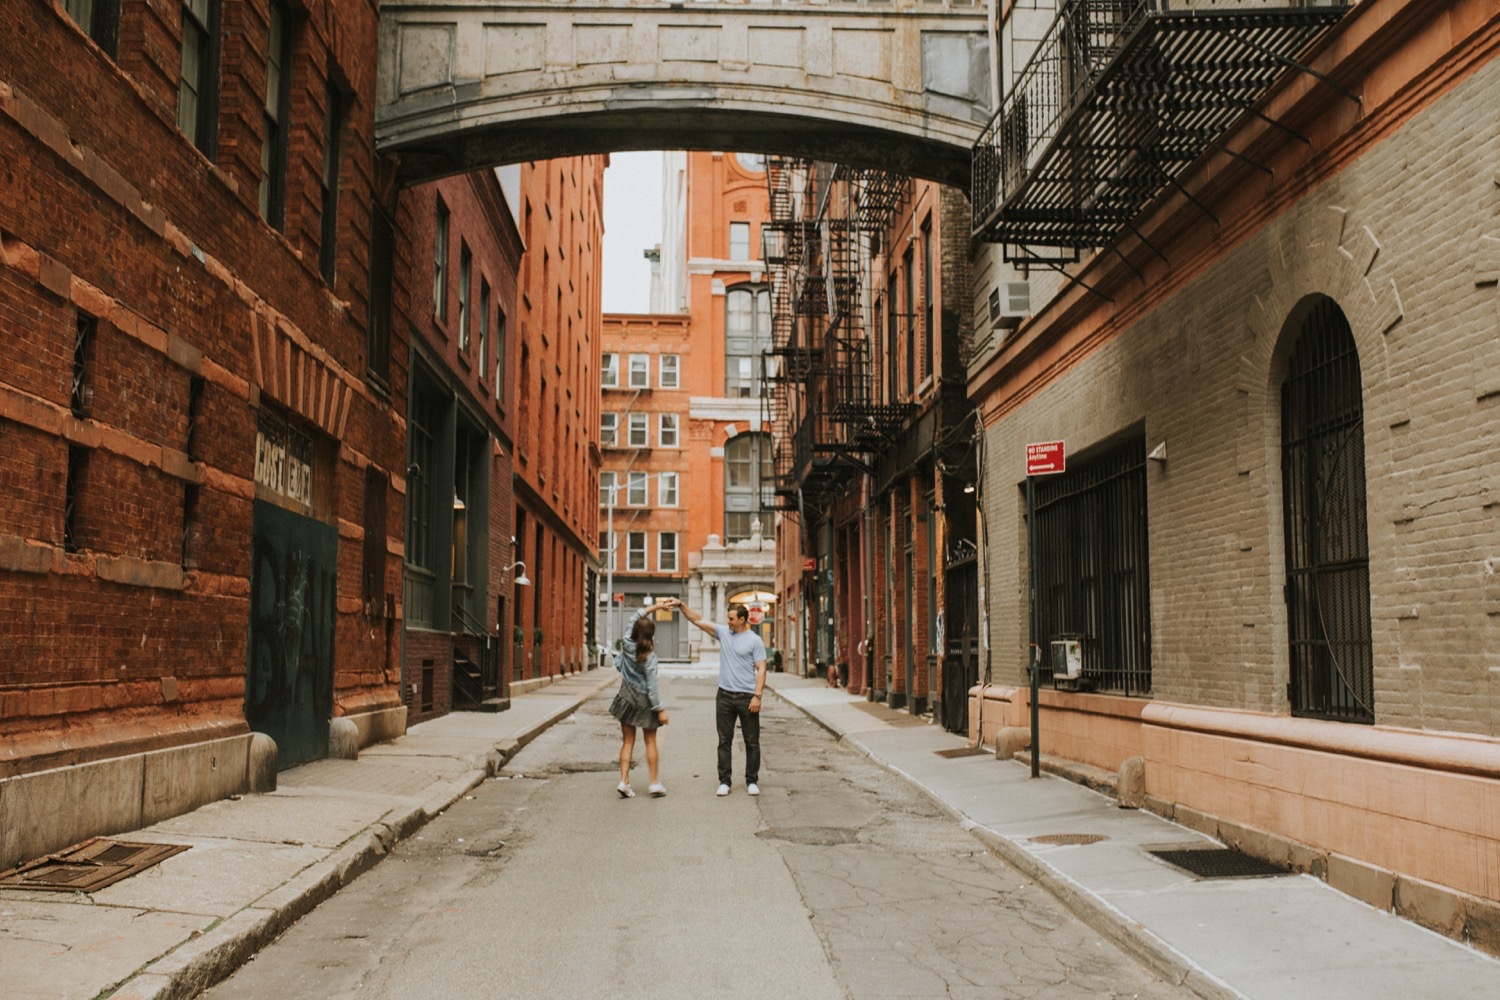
(1119,97)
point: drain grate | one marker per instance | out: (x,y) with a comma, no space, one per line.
(90,866)
(1069,838)
(1219,862)
(962,752)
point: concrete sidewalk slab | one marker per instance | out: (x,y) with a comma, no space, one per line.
(1289,937)
(257,863)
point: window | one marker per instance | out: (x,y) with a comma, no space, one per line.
(666,430)
(739,241)
(928,333)
(753,162)
(500,357)
(747,333)
(607,481)
(198,91)
(609,371)
(635,557)
(99,19)
(1326,522)
(377,486)
(909,303)
(274,142)
(1092,561)
(748,478)
(609,427)
(333,128)
(465,277)
(378,323)
(482,364)
(440,262)
(666,551)
(635,496)
(640,371)
(666,490)
(668,371)
(638,435)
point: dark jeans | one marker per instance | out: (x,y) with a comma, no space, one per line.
(729,706)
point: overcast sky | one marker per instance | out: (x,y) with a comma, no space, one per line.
(632,225)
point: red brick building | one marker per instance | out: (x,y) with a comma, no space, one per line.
(686,450)
(200,406)
(556,476)
(459,571)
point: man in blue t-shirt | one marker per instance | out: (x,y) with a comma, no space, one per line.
(742,678)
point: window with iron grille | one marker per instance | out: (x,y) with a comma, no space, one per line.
(1325,515)
(1092,570)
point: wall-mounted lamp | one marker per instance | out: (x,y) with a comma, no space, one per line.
(1159,453)
(457,503)
(521,580)
(968,487)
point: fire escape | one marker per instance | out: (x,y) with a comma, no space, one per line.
(1120,97)
(823,377)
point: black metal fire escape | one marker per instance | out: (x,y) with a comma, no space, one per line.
(823,375)
(1119,98)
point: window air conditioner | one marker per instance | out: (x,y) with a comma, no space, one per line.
(1067,659)
(1010,302)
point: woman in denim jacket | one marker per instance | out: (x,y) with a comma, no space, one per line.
(638,703)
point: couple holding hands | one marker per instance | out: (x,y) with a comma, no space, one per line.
(742,678)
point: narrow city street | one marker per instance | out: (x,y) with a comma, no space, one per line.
(841,880)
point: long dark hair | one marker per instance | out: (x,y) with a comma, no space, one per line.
(644,637)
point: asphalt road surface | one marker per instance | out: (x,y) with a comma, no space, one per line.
(840,881)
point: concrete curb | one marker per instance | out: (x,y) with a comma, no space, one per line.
(198,964)
(1152,951)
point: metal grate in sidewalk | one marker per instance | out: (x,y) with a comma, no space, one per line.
(89,866)
(1218,862)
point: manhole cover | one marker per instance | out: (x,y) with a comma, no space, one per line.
(90,866)
(962,752)
(1069,838)
(1219,862)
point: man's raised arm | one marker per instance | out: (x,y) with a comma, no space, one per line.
(697,619)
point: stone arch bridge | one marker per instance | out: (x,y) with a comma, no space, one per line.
(903,85)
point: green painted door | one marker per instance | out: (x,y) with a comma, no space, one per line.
(289,677)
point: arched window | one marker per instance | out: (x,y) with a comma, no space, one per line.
(1325,515)
(747,333)
(748,479)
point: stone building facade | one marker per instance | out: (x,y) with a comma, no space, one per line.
(1278,391)
(201,468)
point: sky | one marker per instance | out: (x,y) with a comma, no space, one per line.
(632,225)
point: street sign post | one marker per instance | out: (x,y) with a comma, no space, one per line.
(1043,458)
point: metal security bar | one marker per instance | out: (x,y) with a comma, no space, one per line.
(1327,543)
(1092,567)
(1119,98)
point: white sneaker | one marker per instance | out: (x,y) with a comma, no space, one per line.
(626,792)
(723,790)
(752,788)
(658,790)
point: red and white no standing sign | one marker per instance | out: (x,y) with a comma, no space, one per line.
(1045,458)
(757,614)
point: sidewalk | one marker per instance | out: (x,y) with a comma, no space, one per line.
(1281,938)
(258,863)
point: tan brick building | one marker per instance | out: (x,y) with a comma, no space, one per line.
(1276,535)
(201,399)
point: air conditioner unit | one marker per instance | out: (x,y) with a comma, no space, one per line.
(1067,659)
(1010,302)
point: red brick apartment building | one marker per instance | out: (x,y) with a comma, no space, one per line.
(556,481)
(201,401)
(686,452)
(876,556)
(460,570)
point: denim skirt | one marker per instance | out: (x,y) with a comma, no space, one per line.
(633,708)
